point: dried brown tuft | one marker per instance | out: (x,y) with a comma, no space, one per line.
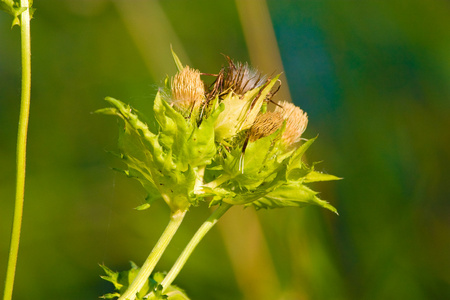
(238,78)
(188,90)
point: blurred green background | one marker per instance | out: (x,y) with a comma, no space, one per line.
(374,77)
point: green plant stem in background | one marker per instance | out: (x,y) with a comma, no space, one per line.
(21,149)
(155,255)
(201,232)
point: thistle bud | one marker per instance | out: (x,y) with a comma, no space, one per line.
(265,125)
(296,122)
(238,78)
(188,90)
(241,78)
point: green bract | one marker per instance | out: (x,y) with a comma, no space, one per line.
(13,8)
(167,163)
(266,176)
(122,280)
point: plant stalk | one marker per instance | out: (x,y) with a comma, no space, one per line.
(201,232)
(218,181)
(151,261)
(21,149)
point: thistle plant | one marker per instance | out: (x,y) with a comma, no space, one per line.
(217,145)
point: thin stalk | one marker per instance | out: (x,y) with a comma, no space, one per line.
(199,180)
(155,255)
(21,149)
(201,232)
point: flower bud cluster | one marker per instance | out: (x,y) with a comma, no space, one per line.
(216,144)
(219,143)
(240,88)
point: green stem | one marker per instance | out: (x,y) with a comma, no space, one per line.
(199,180)
(218,181)
(155,255)
(201,232)
(21,150)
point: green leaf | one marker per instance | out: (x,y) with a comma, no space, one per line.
(315,176)
(293,194)
(11,7)
(177,60)
(172,292)
(122,280)
(250,176)
(111,276)
(166,163)
(255,166)
(174,129)
(110,296)
(143,206)
(200,147)
(14,9)
(176,294)
(296,157)
(242,194)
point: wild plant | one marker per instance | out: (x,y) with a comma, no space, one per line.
(216,145)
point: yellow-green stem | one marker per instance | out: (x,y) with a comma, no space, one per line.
(155,255)
(218,181)
(201,232)
(21,149)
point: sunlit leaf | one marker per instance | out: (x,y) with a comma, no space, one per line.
(293,194)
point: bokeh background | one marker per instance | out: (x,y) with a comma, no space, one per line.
(374,77)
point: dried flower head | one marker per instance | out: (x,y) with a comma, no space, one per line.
(265,125)
(188,90)
(296,121)
(241,78)
(238,78)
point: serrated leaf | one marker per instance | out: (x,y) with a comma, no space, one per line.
(296,169)
(122,280)
(166,163)
(172,292)
(176,294)
(200,147)
(293,194)
(174,127)
(111,276)
(315,176)
(8,6)
(255,163)
(244,194)
(14,9)
(248,177)
(296,157)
